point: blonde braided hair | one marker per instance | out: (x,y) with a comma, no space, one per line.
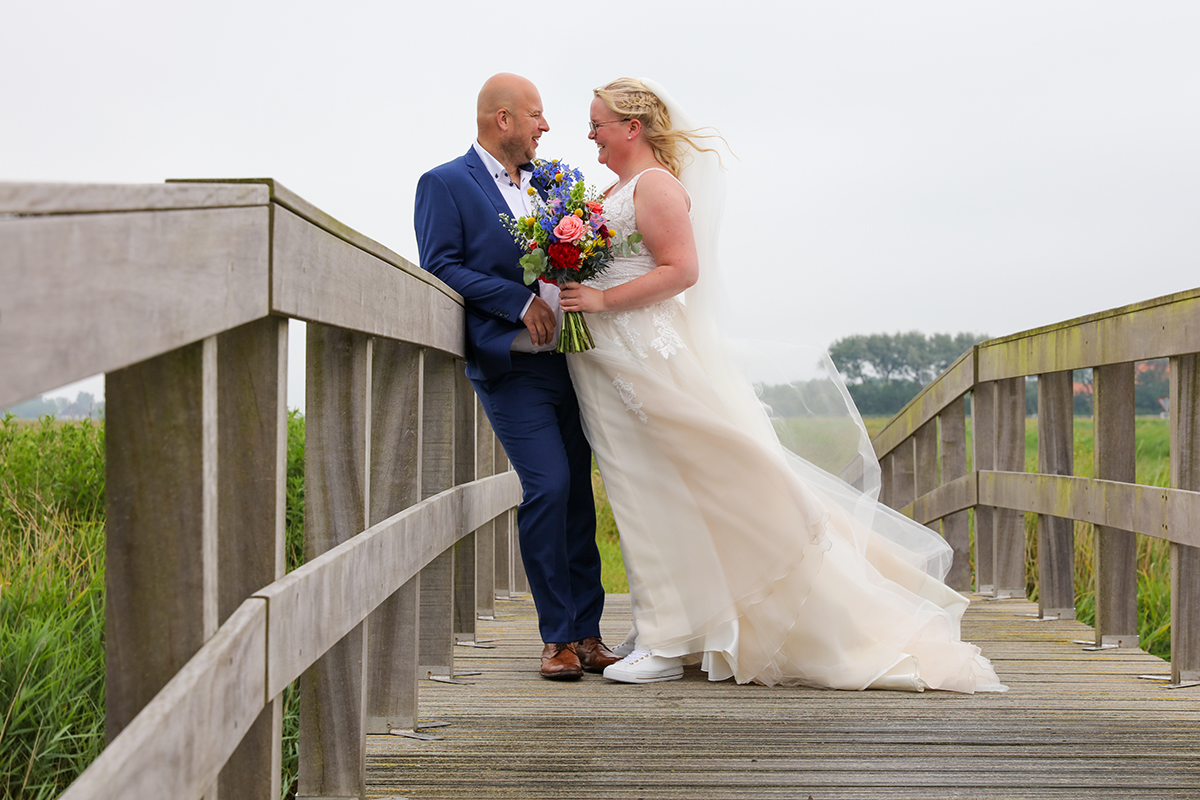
(630,99)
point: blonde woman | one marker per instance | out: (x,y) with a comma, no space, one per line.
(740,556)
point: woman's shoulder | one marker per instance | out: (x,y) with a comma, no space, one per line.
(660,184)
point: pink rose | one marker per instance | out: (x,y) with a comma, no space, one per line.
(594,207)
(569,229)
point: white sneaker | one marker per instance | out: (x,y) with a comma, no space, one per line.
(642,666)
(626,647)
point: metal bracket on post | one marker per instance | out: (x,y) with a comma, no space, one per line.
(416,731)
(1110,642)
(1167,678)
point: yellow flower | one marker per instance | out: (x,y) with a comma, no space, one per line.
(579,212)
(529,222)
(558,176)
(530,191)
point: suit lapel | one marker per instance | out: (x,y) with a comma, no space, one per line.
(487,183)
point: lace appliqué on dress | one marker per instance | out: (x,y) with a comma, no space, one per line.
(625,389)
(667,342)
(628,336)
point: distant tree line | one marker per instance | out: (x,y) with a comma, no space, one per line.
(884,371)
(84,406)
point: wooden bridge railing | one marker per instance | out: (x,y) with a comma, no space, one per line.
(923,452)
(180,293)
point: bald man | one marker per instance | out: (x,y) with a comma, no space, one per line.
(522,384)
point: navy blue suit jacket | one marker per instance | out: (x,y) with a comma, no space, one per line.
(461,240)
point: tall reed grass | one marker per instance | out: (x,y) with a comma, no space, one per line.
(51,604)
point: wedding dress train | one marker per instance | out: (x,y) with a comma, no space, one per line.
(738,553)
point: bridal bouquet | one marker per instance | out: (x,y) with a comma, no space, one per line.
(567,239)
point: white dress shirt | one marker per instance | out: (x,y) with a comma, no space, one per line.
(516,195)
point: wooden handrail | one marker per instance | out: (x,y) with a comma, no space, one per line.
(917,478)
(180,293)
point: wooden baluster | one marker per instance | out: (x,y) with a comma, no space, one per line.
(885,480)
(952,434)
(925,459)
(983,439)
(904,487)
(504,551)
(337,428)
(161,598)
(1185,560)
(1008,541)
(466,556)
(437,475)
(520,583)
(485,570)
(1056,535)
(393,629)
(252,476)
(1116,550)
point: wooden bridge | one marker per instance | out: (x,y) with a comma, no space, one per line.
(180,294)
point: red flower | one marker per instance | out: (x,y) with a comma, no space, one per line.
(564,256)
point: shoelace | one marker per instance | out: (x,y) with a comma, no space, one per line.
(636,656)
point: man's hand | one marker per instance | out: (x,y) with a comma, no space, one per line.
(539,319)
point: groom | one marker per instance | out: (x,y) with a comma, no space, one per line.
(523,385)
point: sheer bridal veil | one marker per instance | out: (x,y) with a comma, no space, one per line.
(802,407)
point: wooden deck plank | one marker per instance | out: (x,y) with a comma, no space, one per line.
(1074,723)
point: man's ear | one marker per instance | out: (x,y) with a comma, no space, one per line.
(502,119)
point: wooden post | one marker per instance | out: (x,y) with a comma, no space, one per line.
(983,439)
(337,429)
(466,405)
(952,433)
(904,487)
(1185,560)
(1116,550)
(1008,539)
(437,475)
(885,479)
(161,598)
(925,452)
(485,537)
(1056,535)
(502,565)
(252,476)
(393,629)
(520,583)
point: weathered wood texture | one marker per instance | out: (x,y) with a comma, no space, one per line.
(1008,525)
(1116,548)
(437,474)
(1185,559)
(160,525)
(393,628)
(252,492)
(1056,535)
(122,288)
(336,470)
(983,432)
(952,439)
(319,277)
(1071,721)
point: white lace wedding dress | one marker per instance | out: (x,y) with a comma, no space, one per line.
(733,558)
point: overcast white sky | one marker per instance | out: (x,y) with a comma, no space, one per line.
(940,166)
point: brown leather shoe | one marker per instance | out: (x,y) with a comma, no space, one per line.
(560,663)
(594,655)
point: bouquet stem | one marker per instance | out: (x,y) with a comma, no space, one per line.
(575,336)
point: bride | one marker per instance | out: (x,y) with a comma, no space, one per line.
(739,554)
